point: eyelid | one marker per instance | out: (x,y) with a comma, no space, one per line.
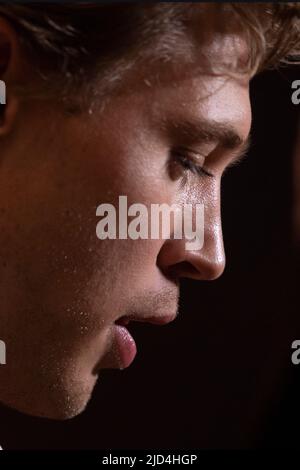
(196,158)
(187,156)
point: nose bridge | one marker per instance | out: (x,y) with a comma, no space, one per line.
(211,261)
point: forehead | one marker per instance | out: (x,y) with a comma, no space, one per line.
(197,88)
(200,107)
(196,92)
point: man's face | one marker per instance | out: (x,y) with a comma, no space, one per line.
(62,289)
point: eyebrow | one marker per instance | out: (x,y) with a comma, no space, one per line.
(223,134)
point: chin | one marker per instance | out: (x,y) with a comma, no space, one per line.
(62,408)
(62,399)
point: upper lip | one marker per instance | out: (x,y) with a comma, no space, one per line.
(155,320)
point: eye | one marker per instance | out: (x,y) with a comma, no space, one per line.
(186,160)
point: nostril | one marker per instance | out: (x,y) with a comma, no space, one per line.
(176,262)
(185,269)
(123,321)
(204,271)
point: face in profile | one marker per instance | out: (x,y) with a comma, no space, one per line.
(66,296)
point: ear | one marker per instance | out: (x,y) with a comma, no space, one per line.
(10,74)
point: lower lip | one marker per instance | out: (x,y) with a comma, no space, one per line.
(125,346)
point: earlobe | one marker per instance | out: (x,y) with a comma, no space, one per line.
(10,71)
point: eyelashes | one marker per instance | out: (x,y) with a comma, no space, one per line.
(187,162)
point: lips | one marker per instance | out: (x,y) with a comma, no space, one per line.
(155,320)
(122,349)
(124,343)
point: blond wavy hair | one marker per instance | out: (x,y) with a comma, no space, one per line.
(73,40)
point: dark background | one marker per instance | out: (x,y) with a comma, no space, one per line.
(221,375)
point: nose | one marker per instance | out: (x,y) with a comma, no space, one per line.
(207,263)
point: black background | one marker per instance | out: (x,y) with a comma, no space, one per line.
(221,375)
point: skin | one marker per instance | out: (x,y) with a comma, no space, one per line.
(61,288)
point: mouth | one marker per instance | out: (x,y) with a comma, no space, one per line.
(154,320)
(124,344)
